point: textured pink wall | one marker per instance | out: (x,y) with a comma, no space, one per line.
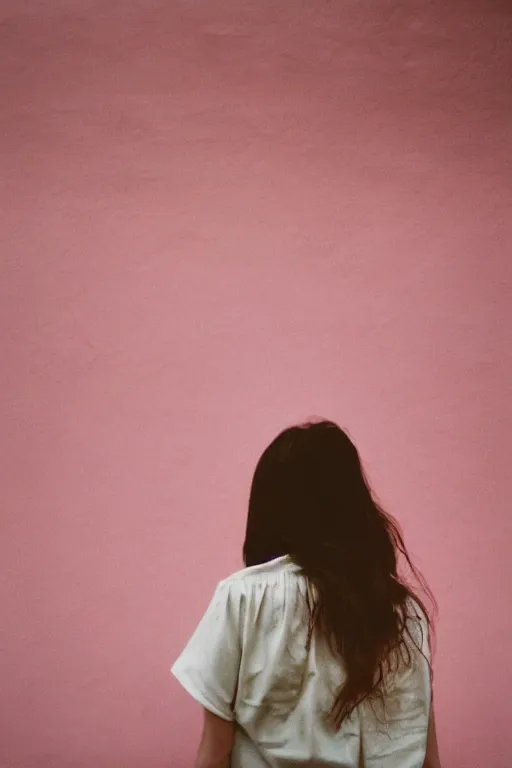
(220,218)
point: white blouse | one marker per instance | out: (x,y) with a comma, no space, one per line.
(247,662)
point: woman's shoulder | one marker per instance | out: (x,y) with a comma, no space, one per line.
(274,571)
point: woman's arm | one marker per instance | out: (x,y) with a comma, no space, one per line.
(216,742)
(432,759)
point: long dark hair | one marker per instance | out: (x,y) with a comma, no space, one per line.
(310,500)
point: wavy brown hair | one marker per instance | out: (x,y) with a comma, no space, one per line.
(310,500)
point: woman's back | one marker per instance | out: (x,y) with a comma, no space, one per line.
(250,661)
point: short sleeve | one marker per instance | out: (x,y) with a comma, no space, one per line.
(208,667)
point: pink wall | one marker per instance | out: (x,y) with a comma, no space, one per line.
(220,218)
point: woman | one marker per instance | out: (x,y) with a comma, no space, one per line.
(318,652)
